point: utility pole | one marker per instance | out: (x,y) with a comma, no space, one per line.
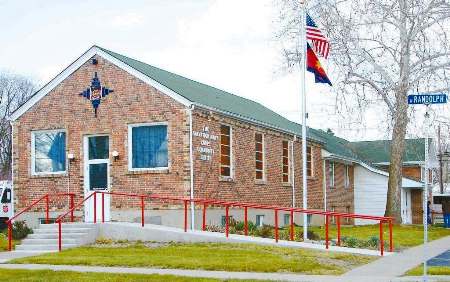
(425,197)
(441,170)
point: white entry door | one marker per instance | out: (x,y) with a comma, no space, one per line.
(406,206)
(96,176)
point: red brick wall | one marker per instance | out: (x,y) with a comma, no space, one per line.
(340,197)
(132,101)
(243,186)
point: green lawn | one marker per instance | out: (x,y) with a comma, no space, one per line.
(404,236)
(228,257)
(69,276)
(431,270)
(4,242)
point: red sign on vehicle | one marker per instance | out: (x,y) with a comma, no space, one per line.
(5,208)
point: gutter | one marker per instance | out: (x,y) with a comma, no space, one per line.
(191,165)
(293,171)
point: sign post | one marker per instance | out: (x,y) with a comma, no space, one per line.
(427,100)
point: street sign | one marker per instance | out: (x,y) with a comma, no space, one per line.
(427,99)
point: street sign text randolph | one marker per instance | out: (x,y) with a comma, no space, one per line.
(427,99)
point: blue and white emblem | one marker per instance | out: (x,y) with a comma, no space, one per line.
(96,92)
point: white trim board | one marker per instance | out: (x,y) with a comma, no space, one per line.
(94,50)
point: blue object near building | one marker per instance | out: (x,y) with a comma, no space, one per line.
(440,260)
(427,99)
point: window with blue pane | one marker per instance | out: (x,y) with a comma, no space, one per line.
(49,152)
(149,146)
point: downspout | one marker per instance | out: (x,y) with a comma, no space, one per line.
(324,184)
(293,171)
(12,170)
(191,164)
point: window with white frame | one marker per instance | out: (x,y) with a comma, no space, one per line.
(286,162)
(287,219)
(259,220)
(331,172)
(309,161)
(48,152)
(148,146)
(259,156)
(347,176)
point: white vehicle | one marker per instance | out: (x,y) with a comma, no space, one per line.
(6,209)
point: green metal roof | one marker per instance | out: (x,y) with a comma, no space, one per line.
(336,145)
(379,151)
(212,97)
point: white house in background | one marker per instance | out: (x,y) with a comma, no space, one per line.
(367,193)
(371,186)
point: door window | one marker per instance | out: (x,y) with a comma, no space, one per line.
(98,176)
(98,147)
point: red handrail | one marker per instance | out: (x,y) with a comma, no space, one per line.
(228,204)
(47,211)
(59,219)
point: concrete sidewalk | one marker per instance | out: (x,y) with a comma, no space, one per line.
(398,263)
(7,256)
(216,274)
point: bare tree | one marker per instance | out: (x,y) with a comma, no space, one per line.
(14,90)
(382,50)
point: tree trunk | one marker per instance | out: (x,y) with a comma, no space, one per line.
(393,203)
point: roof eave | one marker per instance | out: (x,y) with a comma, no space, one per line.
(254,121)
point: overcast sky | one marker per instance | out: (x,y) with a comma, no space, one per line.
(224,43)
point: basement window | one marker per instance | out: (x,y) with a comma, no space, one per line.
(287,219)
(50,221)
(347,210)
(259,220)
(223,220)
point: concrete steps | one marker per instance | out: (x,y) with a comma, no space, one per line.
(45,238)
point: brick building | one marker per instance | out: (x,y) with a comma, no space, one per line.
(109,122)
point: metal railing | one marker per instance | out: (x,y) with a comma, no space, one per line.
(46,197)
(227,205)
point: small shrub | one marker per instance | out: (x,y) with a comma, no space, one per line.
(284,234)
(251,226)
(239,225)
(350,242)
(373,242)
(104,241)
(20,230)
(265,231)
(311,235)
(215,228)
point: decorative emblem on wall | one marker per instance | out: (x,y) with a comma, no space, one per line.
(96,92)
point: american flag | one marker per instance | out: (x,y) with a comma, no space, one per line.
(320,43)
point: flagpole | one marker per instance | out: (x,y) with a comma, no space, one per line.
(303,97)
